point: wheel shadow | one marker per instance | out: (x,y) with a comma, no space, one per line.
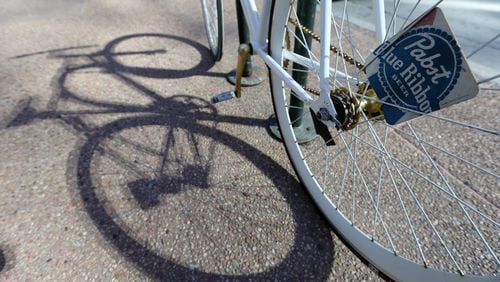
(170,192)
(309,256)
(3,261)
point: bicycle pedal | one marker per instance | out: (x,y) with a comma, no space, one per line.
(224,96)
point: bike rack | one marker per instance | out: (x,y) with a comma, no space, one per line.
(251,75)
(303,124)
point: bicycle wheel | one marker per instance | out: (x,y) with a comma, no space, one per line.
(417,200)
(213,15)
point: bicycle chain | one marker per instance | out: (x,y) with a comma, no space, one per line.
(341,96)
(334,49)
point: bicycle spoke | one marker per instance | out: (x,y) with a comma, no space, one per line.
(405,211)
(434,185)
(392,22)
(452,191)
(482,46)
(455,156)
(400,186)
(426,216)
(379,183)
(355,167)
(437,186)
(489,79)
(410,14)
(327,154)
(353,186)
(338,58)
(293,122)
(303,41)
(403,206)
(435,116)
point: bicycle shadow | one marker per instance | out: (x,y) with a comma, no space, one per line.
(3,261)
(7,258)
(152,184)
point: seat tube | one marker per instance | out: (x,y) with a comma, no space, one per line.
(324,68)
(379,10)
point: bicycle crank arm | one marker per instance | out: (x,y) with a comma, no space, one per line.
(244,52)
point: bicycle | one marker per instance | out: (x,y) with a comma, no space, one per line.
(412,175)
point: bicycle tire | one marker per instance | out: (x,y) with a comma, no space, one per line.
(213,16)
(409,207)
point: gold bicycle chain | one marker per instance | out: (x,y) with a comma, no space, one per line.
(334,49)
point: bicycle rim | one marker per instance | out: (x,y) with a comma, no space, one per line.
(417,201)
(213,15)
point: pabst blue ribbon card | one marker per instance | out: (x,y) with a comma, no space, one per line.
(420,70)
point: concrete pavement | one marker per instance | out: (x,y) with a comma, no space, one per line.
(97,98)
(115,167)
